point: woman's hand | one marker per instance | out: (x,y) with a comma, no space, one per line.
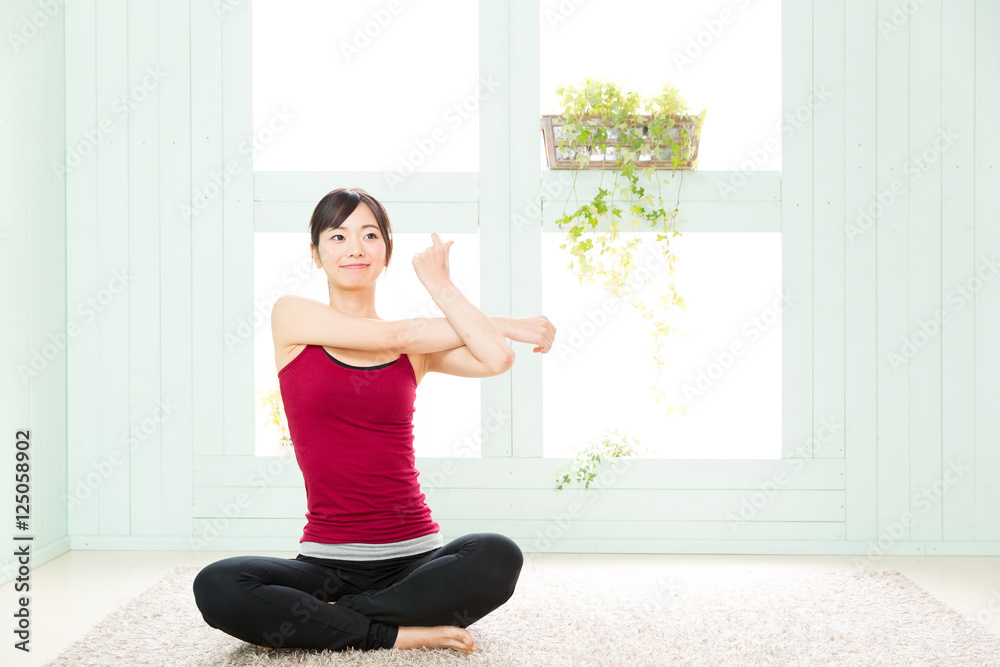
(431,265)
(537,330)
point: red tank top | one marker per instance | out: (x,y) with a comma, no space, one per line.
(352,432)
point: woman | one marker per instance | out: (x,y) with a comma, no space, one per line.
(372,569)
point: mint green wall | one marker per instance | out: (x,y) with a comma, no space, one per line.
(33,304)
(189,479)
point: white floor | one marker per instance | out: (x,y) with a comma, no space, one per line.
(74,592)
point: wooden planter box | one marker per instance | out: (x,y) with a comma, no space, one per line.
(566,159)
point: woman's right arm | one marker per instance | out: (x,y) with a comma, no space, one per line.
(297,320)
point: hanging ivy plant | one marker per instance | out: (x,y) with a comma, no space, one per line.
(603,126)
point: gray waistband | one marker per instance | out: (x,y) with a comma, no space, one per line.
(361,551)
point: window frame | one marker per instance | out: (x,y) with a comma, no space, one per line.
(508,202)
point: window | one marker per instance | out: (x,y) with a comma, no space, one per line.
(599,374)
(342,72)
(726,56)
(371,86)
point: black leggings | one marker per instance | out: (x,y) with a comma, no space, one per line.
(283,602)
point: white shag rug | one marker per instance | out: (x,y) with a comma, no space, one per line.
(588,615)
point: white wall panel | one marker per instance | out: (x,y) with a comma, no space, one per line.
(33,291)
(958,258)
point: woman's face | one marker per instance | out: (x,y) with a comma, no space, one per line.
(358,241)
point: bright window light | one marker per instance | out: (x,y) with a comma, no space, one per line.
(600,372)
(368,88)
(723,55)
(353,69)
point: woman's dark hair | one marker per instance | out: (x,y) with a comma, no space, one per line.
(337,205)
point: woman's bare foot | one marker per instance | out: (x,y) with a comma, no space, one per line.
(440,636)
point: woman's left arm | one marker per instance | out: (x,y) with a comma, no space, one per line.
(480,333)
(477,330)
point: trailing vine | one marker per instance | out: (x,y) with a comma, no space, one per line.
(599,117)
(584,467)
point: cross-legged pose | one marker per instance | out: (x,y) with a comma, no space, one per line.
(372,570)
